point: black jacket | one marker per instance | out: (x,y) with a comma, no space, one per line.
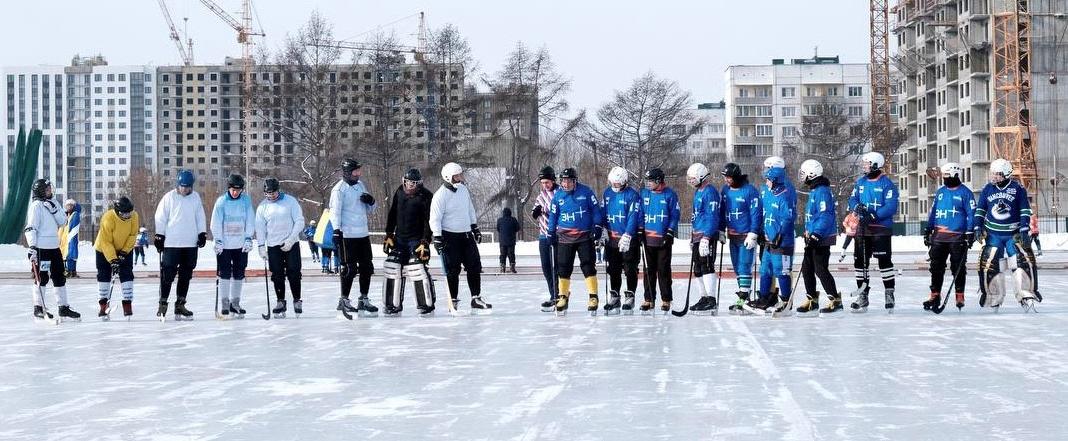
(507,227)
(409,215)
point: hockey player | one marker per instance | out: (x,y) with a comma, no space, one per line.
(43,221)
(233,222)
(540,214)
(1003,218)
(180,230)
(622,214)
(456,236)
(820,235)
(776,263)
(350,204)
(408,235)
(140,244)
(279,221)
(309,235)
(741,225)
(705,221)
(660,210)
(113,244)
(949,233)
(874,200)
(574,225)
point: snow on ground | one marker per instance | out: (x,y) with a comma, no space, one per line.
(522,375)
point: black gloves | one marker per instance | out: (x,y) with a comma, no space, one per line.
(114,267)
(969,238)
(476,233)
(813,239)
(338,238)
(669,236)
(536,212)
(598,231)
(439,244)
(367,199)
(202,239)
(158,242)
(927,237)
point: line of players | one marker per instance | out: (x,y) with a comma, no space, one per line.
(760,223)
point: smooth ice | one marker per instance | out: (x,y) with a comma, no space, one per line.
(521,374)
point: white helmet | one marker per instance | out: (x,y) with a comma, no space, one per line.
(696,174)
(69,203)
(952,169)
(618,175)
(875,159)
(810,169)
(1002,167)
(143,229)
(774,162)
(449,170)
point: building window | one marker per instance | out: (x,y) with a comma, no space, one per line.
(789,92)
(764,130)
(855,91)
(789,111)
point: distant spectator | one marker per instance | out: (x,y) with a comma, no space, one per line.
(507,228)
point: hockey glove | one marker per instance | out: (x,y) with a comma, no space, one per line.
(1023,237)
(247,246)
(288,244)
(536,212)
(218,247)
(202,239)
(51,206)
(812,239)
(624,243)
(750,240)
(980,234)
(114,266)
(476,234)
(388,244)
(338,239)
(422,252)
(34,255)
(263,252)
(722,237)
(158,242)
(702,247)
(439,244)
(669,237)
(927,237)
(969,239)
(598,233)
(367,199)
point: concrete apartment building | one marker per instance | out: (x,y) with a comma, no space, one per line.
(708,144)
(945,61)
(35,97)
(765,104)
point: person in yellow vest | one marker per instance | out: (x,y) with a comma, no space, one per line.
(114,244)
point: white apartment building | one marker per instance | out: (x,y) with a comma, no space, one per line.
(34,97)
(708,144)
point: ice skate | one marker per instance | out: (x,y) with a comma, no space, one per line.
(810,307)
(161,312)
(181,313)
(665,307)
(933,301)
(236,310)
(562,303)
(298,308)
(860,305)
(628,303)
(548,305)
(480,307)
(960,300)
(279,311)
(760,305)
(127,309)
(104,313)
(738,308)
(612,306)
(42,315)
(704,306)
(365,309)
(591,305)
(782,308)
(69,315)
(834,304)
(646,307)
(889,296)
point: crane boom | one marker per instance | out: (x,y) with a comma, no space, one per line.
(187,56)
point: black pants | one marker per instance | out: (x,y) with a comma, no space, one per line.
(103,268)
(958,255)
(356,259)
(620,264)
(284,265)
(879,247)
(177,262)
(313,248)
(231,264)
(507,252)
(548,269)
(55,267)
(461,249)
(658,271)
(565,259)
(816,264)
(703,265)
(139,252)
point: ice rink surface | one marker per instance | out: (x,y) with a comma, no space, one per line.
(522,374)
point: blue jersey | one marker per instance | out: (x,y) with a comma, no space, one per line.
(621,212)
(880,196)
(706,216)
(660,212)
(1003,210)
(952,214)
(779,212)
(573,214)
(820,212)
(740,210)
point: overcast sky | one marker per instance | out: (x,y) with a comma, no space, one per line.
(602,45)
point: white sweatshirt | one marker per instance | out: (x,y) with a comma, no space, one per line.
(452,211)
(347,212)
(279,221)
(180,219)
(43,220)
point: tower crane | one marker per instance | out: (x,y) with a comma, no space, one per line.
(185,53)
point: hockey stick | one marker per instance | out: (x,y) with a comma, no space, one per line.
(111,289)
(689,282)
(267,290)
(340,254)
(963,263)
(719,278)
(217,315)
(448,289)
(40,292)
(161,317)
(645,271)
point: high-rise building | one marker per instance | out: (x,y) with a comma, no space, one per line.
(34,97)
(708,144)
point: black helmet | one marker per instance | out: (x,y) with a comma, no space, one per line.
(235,181)
(413,175)
(39,187)
(547,172)
(569,173)
(347,166)
(270,185)
(655,175)
(732,170)
(123,205)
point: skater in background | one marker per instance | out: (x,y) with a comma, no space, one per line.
(139,246)
(622,215)
(540,213)
(181,228)
(660,212)
(279,222)
(820,234)
(350,205)
(408,237)
(874,200)
(1003,221)
(575,224)
(43,222)
(949,233)
(453,223)
(507,230)
(114,242)
(741,225)
(69,237)
(705,221)
(233,223)
(309,235)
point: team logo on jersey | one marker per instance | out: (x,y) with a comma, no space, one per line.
(1001,211)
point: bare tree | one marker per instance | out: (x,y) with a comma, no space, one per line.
(145,190)
(448,63)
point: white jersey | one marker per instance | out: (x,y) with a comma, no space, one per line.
(43,221)
(233,221)
(181,219)
(279,221)
(452,210)
(347,212)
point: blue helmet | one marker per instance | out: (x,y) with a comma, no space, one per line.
(776,175)
(186,178)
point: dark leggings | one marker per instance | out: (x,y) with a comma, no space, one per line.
(815,264)
(958,254)
(658,271)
